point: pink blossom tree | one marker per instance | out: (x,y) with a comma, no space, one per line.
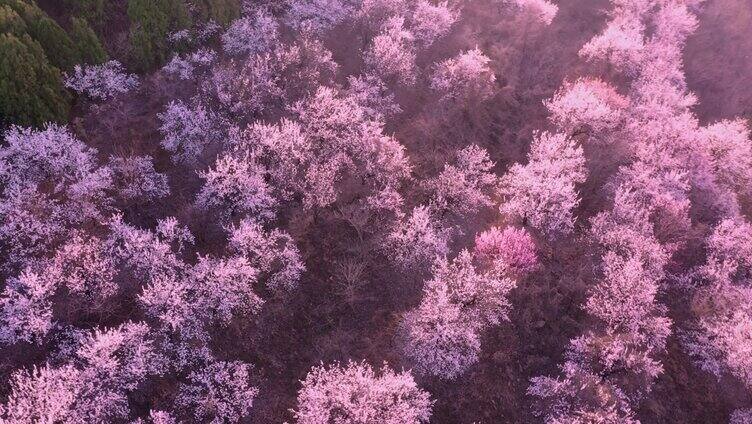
(372,94)
(355,393)
(587,105)
(343,141)
(541,10)
(621,43)
(43,394)
(134,178)
(51,155)
(625,300)
(511,250)
(304,65)
(438,339)
(721,338)
(391,54)
(143,253)
(543,193)
(93,387)
(283,151)
(741,416)
(618,357)
(26,308)
(375,12)
(224,288)
(441,336)
(418,240)
(465,185)
(429,22)
(729,145)
(171,231)
(273,253)
(83,265)
(722,344)
(246,88)
(580,395)
(465,76)
(729,253)
(237,188)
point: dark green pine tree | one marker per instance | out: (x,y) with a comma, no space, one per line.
(90,50)
(11,22)
(151,22)
(91,10)
(56,43)
(220,11)
(30,88)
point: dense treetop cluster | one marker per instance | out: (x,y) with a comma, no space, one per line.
(260,211)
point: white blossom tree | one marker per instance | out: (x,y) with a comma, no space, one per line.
(101,82)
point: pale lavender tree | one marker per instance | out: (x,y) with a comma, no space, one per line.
(186,66)
(143,254)
(251,34)
(318,15)
(101,82)
(52,183)
(26,308)
(134,178)
(218,393)
(188,130)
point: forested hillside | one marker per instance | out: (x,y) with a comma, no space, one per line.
(375,211)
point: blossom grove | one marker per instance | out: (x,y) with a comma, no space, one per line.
(376,211)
